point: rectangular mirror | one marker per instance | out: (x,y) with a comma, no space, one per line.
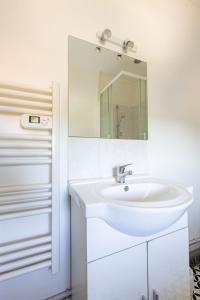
(107,93)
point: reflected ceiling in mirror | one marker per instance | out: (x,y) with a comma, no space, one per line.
(107,93)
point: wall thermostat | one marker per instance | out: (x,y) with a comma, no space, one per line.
(36,122)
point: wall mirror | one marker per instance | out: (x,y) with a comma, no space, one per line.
(107,93)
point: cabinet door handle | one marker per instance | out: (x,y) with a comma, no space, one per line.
(155,295)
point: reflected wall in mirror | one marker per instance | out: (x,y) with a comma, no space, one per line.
(107,93)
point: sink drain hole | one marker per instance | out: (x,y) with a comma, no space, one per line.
(126,188)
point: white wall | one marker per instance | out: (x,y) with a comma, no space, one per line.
(34,50)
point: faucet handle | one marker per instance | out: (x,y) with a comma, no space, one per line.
(123,167)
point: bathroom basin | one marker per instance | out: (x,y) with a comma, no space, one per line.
(149,193)
(142,206)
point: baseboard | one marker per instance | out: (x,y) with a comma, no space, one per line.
(62,296)
(194,252)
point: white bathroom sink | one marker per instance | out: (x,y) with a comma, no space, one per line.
(145,194)
(140,207)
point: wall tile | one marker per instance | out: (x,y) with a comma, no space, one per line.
(116,152)
(83,157)
(90,158)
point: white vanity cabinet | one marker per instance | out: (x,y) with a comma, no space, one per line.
(158,268)
(122,275)
(110,265)
(168,267)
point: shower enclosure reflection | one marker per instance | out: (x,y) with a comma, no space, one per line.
(107,93)
(123,108)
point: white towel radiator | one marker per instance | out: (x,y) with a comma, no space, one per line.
(29,181)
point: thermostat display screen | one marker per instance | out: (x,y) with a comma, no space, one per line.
(34,119)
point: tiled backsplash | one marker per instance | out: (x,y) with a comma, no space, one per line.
(92,158)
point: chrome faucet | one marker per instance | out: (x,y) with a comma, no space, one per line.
(120,173)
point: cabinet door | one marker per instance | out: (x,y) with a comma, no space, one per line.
(121,276)
(168,267)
